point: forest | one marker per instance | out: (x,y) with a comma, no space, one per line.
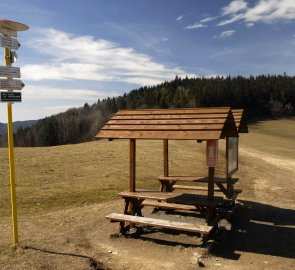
(265,96)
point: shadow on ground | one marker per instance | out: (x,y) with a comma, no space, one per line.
(256,228)
(259,228)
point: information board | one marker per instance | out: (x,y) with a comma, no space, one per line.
(10,96)
(232,155)
(212,153)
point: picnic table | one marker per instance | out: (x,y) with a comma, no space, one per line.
(200,124)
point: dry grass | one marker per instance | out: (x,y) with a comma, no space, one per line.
(65,176)
(52,178)
(54,184)
(274,137)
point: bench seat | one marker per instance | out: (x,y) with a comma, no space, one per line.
(197,188)
(175,225)
(174,206)
(173,197)
(199,179)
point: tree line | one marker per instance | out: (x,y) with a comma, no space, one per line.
(261,96)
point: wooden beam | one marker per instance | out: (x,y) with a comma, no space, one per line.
(176,111)
(132,165)
(171,135)
(164,127)
(204,117)
(211,171)
(165,152)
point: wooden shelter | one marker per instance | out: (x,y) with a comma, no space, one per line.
(201,124)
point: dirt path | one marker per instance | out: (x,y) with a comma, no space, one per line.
(272,160)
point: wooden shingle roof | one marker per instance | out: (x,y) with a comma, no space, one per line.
(184,124)
(240,120)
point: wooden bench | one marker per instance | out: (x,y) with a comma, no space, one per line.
(172,197)
(220,180)
(165,205)
(168,184)
(134,201)
(175,225)
(196,188)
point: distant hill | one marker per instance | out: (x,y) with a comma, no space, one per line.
(261,96)
(17,125)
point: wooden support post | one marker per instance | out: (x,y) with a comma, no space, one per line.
(165,152)
(211,171)
(210,208)
(229,185)
(132,165)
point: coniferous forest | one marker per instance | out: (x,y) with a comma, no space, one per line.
(265,96)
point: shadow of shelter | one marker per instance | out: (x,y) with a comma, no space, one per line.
(259,228)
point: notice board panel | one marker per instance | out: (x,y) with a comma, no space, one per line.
(232,155)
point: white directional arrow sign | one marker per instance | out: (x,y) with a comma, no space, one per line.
(9,84)
(11,72)
(9,43)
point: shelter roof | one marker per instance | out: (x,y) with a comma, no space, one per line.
(174,124)
(239,117)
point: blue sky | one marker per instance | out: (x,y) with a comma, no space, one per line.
(79,51)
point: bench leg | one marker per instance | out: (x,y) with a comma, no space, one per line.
(167,186)
(132,207)
(211,213)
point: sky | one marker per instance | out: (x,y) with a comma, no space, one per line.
(81,51)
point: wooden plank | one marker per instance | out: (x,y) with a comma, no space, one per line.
(168,122)
(181,178)
(170,116)
(175,206)
(239,117)
(175,111)
(132,165)
(165,157)
(195,199)
(163,127)
(154,195)
(172,197)
(171,135)
(197,188)
(175,225)
(196,179)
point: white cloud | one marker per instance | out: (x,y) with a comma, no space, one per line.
(179,18)
(234,6)
(226,34)
(208,19)
(60,108)
(195,26)
(54,93)
(266,11)
(233,19)
(86,58)
(249,25)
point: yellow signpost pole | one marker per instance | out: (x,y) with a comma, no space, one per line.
(11,159)
(9,29)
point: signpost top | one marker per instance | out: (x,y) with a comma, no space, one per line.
(14,26)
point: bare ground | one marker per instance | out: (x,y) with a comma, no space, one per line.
(262,234)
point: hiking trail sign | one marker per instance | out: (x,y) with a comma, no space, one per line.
(10,84)
(10,72)
(8,34)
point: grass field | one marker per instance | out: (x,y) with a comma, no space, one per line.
(72,175)
(68,185)
(51,178)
